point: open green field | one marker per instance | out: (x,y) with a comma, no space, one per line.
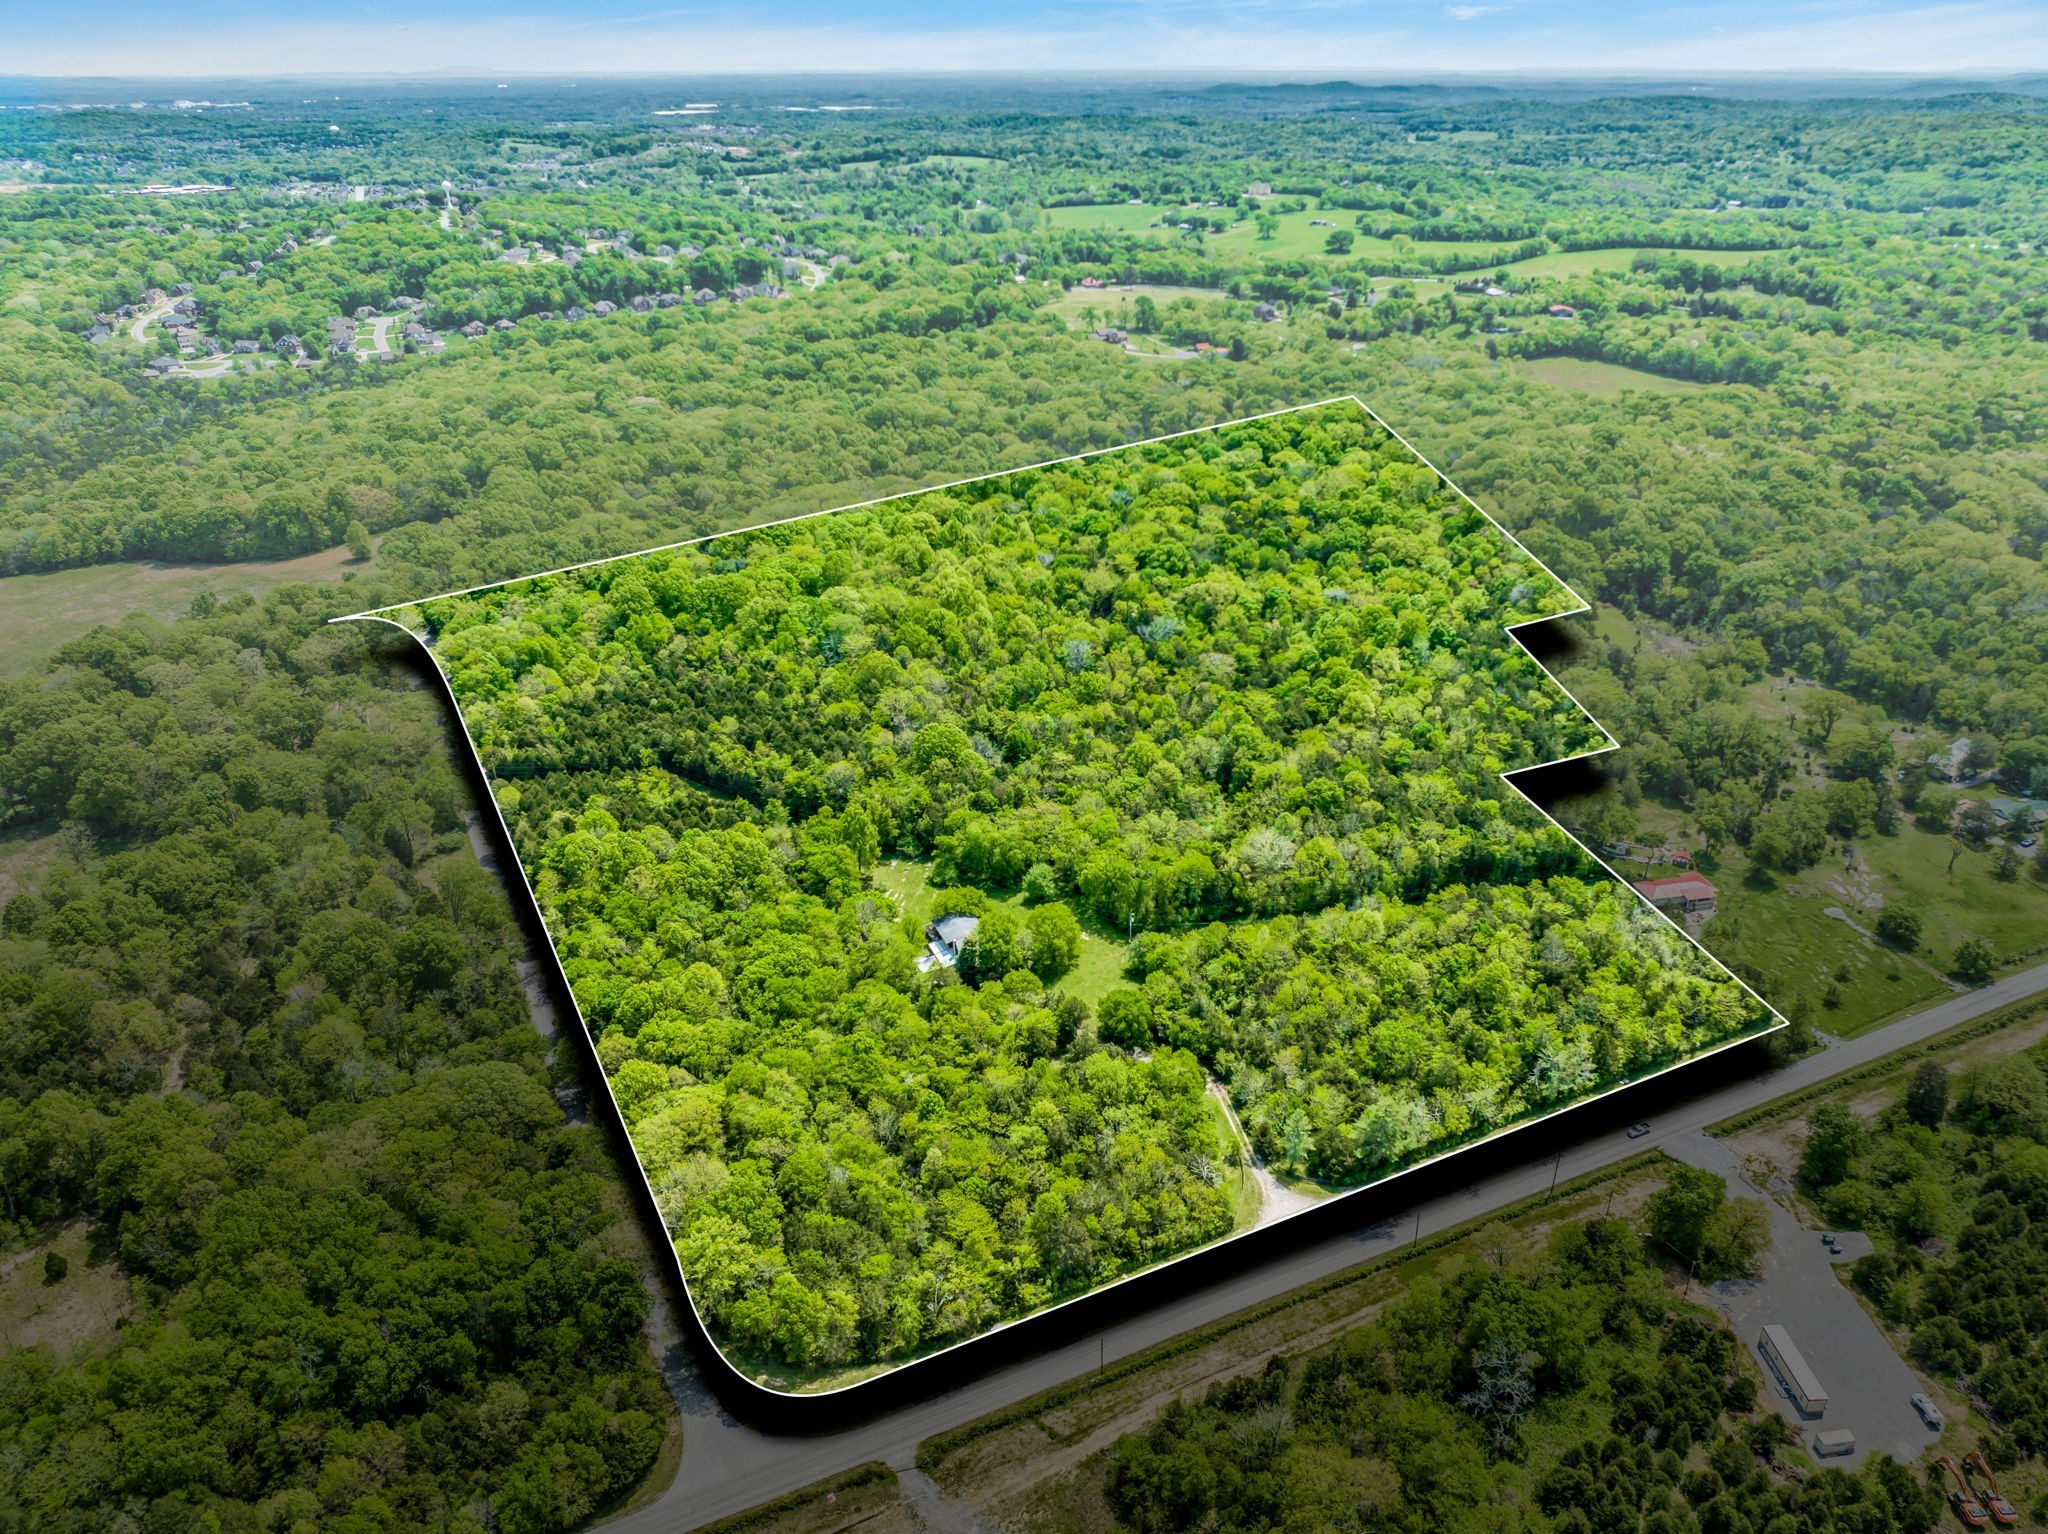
(1300,234)
(1581,263)
(1968,901)
(1114,306)
(1600,377)
(40,612)
(1105,215)
(1779,923)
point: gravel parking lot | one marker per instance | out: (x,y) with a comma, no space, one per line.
(1869,1387)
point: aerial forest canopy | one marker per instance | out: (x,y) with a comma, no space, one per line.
(1239,700)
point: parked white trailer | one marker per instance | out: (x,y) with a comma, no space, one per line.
(1792,1371)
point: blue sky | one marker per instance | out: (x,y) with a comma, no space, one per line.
(1319,39)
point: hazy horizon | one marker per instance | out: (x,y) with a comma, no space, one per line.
(1578,39)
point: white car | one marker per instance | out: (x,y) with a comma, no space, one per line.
(1929,1412)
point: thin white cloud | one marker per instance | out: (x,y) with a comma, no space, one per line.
(1990,37)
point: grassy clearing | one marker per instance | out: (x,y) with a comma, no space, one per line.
(1582,263)
(1114,306)
(1600,377)
(41,612)
(1778,922)
(24,852)
(1300,234)
(1245,1201)
(1123,216)
(1777,927)
(72,1318)
(1966,901)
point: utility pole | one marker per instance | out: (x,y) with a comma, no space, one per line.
(1418,1227)
(1102,1362)
(1555,1167)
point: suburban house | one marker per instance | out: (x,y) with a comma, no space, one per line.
(1111,334)
(247,345)
(1561,312)
(603,306)
(473,329)
(96,335)
(1259,189)
(1949,762)
(1265,312)
(641,304)
(504,324)
(575,312)
(944,939)
(1681,894)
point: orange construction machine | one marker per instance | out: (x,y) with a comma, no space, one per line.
(1965,1502)
(2003,1511)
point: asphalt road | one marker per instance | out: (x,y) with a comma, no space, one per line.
(728,1466)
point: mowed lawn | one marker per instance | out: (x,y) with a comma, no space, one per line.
(1099,970)
(1581,263)
(1600,377)
(1300,234)
(1125,216)
(1114,306)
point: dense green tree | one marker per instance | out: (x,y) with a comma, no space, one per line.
(1834,1134)
(1926,1100)
(1975,961)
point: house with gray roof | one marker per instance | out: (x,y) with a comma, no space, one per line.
(944,938)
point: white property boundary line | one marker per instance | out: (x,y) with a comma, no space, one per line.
(377,615)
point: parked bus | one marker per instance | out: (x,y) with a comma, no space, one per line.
(1792,1371)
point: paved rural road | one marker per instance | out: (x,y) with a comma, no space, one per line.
(728,1466)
